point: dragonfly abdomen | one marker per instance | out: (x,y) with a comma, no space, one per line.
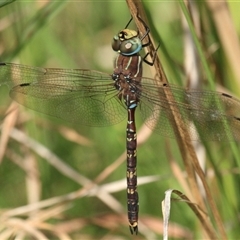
(132,194)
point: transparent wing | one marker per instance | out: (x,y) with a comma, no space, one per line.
(90,98)
(216,116)
(80,96)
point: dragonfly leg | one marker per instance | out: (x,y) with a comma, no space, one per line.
(129,22)
(146,33)
(154,56)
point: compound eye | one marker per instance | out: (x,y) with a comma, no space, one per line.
(116,43)
(131,46)
(127,42)
(128,47)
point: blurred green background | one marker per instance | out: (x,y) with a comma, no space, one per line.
(69,34)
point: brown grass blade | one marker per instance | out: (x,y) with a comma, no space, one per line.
(183,138)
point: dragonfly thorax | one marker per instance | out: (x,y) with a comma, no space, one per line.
(127,76)
(127,42)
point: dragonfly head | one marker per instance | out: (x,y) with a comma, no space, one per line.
(127,42)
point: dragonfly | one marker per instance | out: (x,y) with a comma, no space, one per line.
(92,98)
